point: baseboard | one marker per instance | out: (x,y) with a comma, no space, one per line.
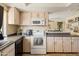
(26,52)
(62,52)
(55,53)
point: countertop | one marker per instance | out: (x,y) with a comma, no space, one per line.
(11,40)
(14,38)
(60,34)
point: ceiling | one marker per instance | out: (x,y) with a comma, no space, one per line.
(49,7)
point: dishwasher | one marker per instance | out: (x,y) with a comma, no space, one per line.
(19,47)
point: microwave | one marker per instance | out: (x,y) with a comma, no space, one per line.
(38,21)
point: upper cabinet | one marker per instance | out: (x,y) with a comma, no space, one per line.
(42,15)
(34,14)
(25,18)
(38,15)
(13,16)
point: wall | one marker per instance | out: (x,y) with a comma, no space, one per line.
(62,15)
(11,29)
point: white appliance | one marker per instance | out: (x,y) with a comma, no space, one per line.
(38,21)
(38,42)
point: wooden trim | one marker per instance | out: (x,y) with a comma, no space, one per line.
(62,52)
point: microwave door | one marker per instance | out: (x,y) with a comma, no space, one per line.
(36,22)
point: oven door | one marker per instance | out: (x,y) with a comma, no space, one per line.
(38,42)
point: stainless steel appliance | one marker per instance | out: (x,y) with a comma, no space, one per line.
(38,42)
(38,21)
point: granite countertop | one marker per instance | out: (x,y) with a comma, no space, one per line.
(6,45)
(11,40)
(60,34)
(14,38)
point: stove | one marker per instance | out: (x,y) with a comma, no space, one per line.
(38,42)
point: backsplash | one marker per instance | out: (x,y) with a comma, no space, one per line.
(24,28)
(12,29)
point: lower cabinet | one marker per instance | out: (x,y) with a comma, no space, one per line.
(0,53)
(58,44)
(9,51)
(50,44)
(62,44)
(27,44)
(75,44)
(66,44)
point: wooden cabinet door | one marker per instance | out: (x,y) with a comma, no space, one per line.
(46,17)
(27,45)
(25,18)
(17,16)
(58,44)
(11,53)
(74,45)
(41,15)
(35,14)
(13,16)
(0,53)
(67,44)
(50,44)
(77,44)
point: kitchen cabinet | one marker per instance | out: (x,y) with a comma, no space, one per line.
(35,14)
(75,44)
(13,16)
(39,15)
(50,44)
(46,17)
(42,15)
(66,44)
(9,51)
(27,44)
(0,53)
(25,18)
(58,44)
